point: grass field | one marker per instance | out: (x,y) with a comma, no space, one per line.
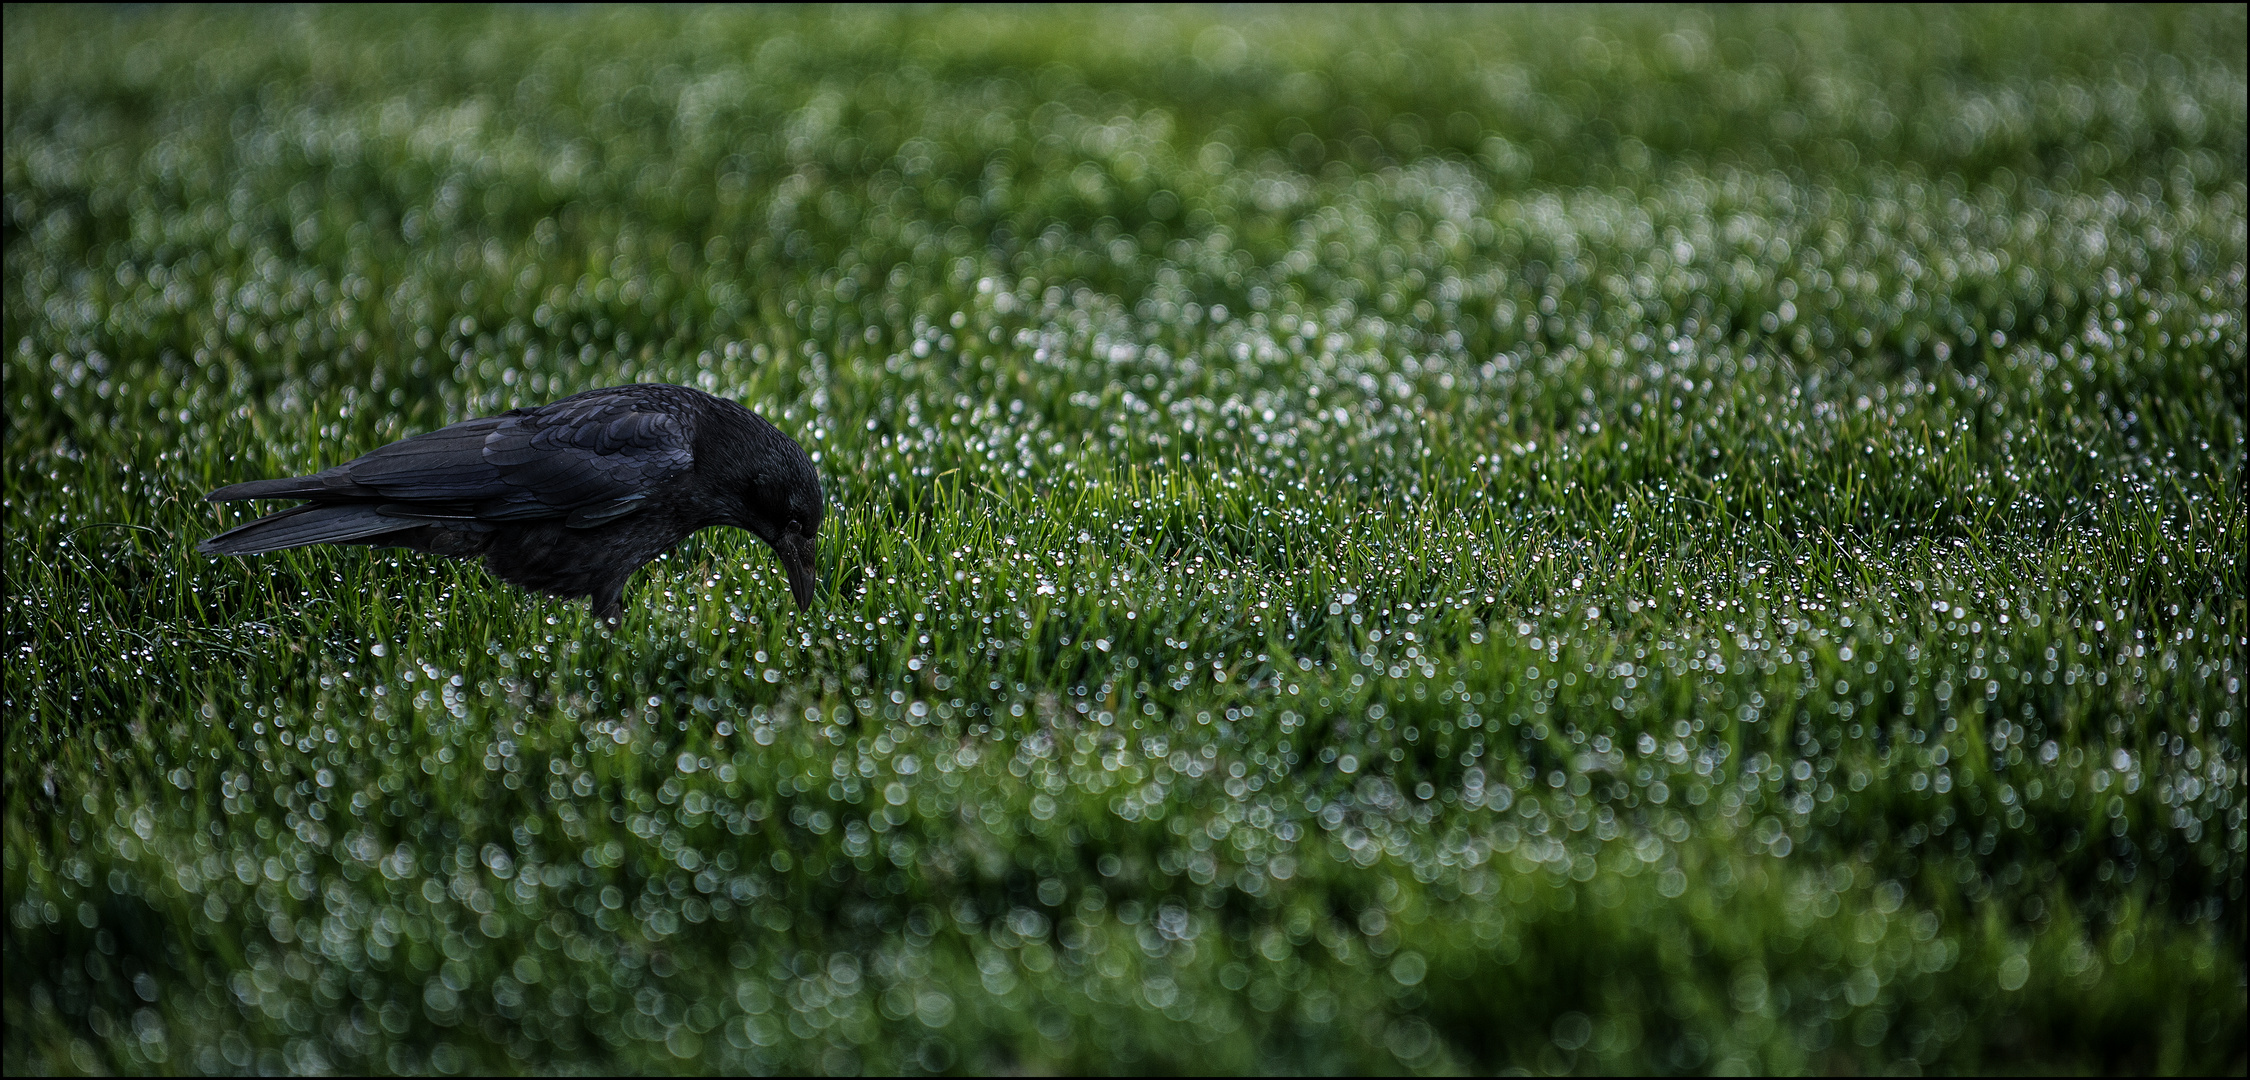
(1635,540)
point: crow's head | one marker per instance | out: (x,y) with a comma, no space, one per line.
(779,499)
(799,535)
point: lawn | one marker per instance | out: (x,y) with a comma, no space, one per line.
(1628,540)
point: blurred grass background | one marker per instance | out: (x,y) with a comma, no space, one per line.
(1655,540)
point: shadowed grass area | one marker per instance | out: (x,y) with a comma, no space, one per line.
(1578,541)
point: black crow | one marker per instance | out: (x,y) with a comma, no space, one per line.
(568,498)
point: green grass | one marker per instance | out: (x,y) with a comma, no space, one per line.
(1627,540)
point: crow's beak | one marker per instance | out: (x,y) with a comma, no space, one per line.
(797,561)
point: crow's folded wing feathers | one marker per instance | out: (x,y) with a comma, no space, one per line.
(589,460)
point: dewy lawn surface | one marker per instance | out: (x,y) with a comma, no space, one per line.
(1645,540)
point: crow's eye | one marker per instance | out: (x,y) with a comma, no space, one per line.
(796,527)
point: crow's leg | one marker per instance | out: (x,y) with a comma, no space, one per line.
(609,600)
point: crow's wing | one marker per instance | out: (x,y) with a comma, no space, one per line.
(593,459)
(588,459)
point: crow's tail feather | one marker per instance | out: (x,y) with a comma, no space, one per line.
(313,523)
(288,487)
